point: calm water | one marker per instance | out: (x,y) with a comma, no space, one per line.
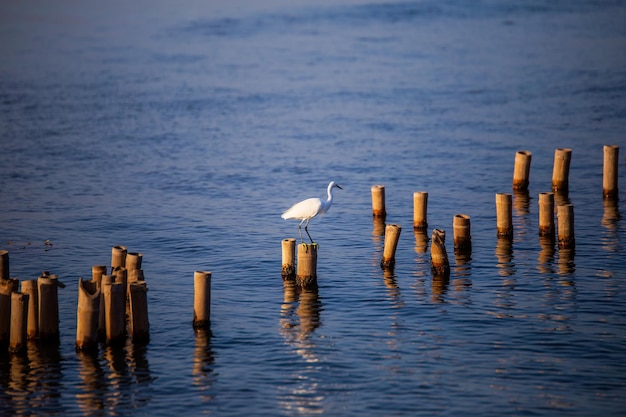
(183,131)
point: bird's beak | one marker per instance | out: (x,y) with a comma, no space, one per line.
(339,186)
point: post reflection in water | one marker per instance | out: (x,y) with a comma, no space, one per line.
(299,317)
(545,259)
(506,267)
(113,379)
(566,261)
(462,272)
(31,380)
(203,362)
(439,287)
(610,222)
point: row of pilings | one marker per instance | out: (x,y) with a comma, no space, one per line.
(111,306)
(550,202)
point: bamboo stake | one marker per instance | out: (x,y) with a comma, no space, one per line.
(48,307)
(106,279)
(7,286)
(392,235)
(560,172)
(96,273)
(306,272)
(504,215)
(420,210)
(461,233)
(521,172)
(139,324)
(202,299)
(30,287)
(19,320)
(4,264)
(133,261)
(115,310)
(565,215)
(118,256)
(546,214)
(87,315)
(438,254)
(609,177)
(378,201)
(289,258)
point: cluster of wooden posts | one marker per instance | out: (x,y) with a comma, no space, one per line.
(110,307)
(307,254)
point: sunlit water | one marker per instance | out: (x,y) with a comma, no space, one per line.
(183,131)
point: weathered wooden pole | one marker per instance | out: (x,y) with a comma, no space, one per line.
(521,172)
(139,324)
(202,299)
(96,273)
(546,214)
(115,310)
(420,210)
(609,177)
(560,172)
(133,260)
(118,256)
(88,315)
(438,255)
(48,285)
(392,235)
(135,275)
(306,271)
(121,276)
(378,201)
(289,258)
(30,287)
(504,215)
(565,216)
(462,233)
(4,264)
(19,320)
(7,286)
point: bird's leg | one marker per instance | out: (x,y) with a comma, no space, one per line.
(307,230)
(300,230)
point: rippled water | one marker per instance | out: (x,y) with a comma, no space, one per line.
(183,131)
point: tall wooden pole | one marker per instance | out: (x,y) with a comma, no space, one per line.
(7,286)
(30,287)
(378,201)
(19,319)
(560,172)
(420,210)
(88,315)
(48,308)
(118,256)
(504,215)
(139,323)
(202,299)
(306,272)
(115,310)
(133,260)
(521,172)
(438,255)
(392,235)
(609,177)
(4,264)
(565,216)
(546,214)
(462,233)
(289,258)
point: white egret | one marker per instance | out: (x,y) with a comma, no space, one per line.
(305,210)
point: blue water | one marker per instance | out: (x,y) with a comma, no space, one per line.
(183,130)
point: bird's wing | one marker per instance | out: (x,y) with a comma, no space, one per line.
(304,209)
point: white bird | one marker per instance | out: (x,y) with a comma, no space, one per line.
(305,210)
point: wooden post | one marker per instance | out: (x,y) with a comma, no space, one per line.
(106,279)
(420,210)
(609,177)
(378,201)
(133,261)
(135,275)
(7,286)
(461,233)
(121,276)
(306,272)
(565,215)
(118,256)
(560,173)
(521,172)
(48,307)
(546,214)
(19,320)
(438,254)
(289,258)
(202,299)
(392,235)
(87,315)
(96,273)
(139,324)
(4,264)
(504,215)
(30,287)
(115,310)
